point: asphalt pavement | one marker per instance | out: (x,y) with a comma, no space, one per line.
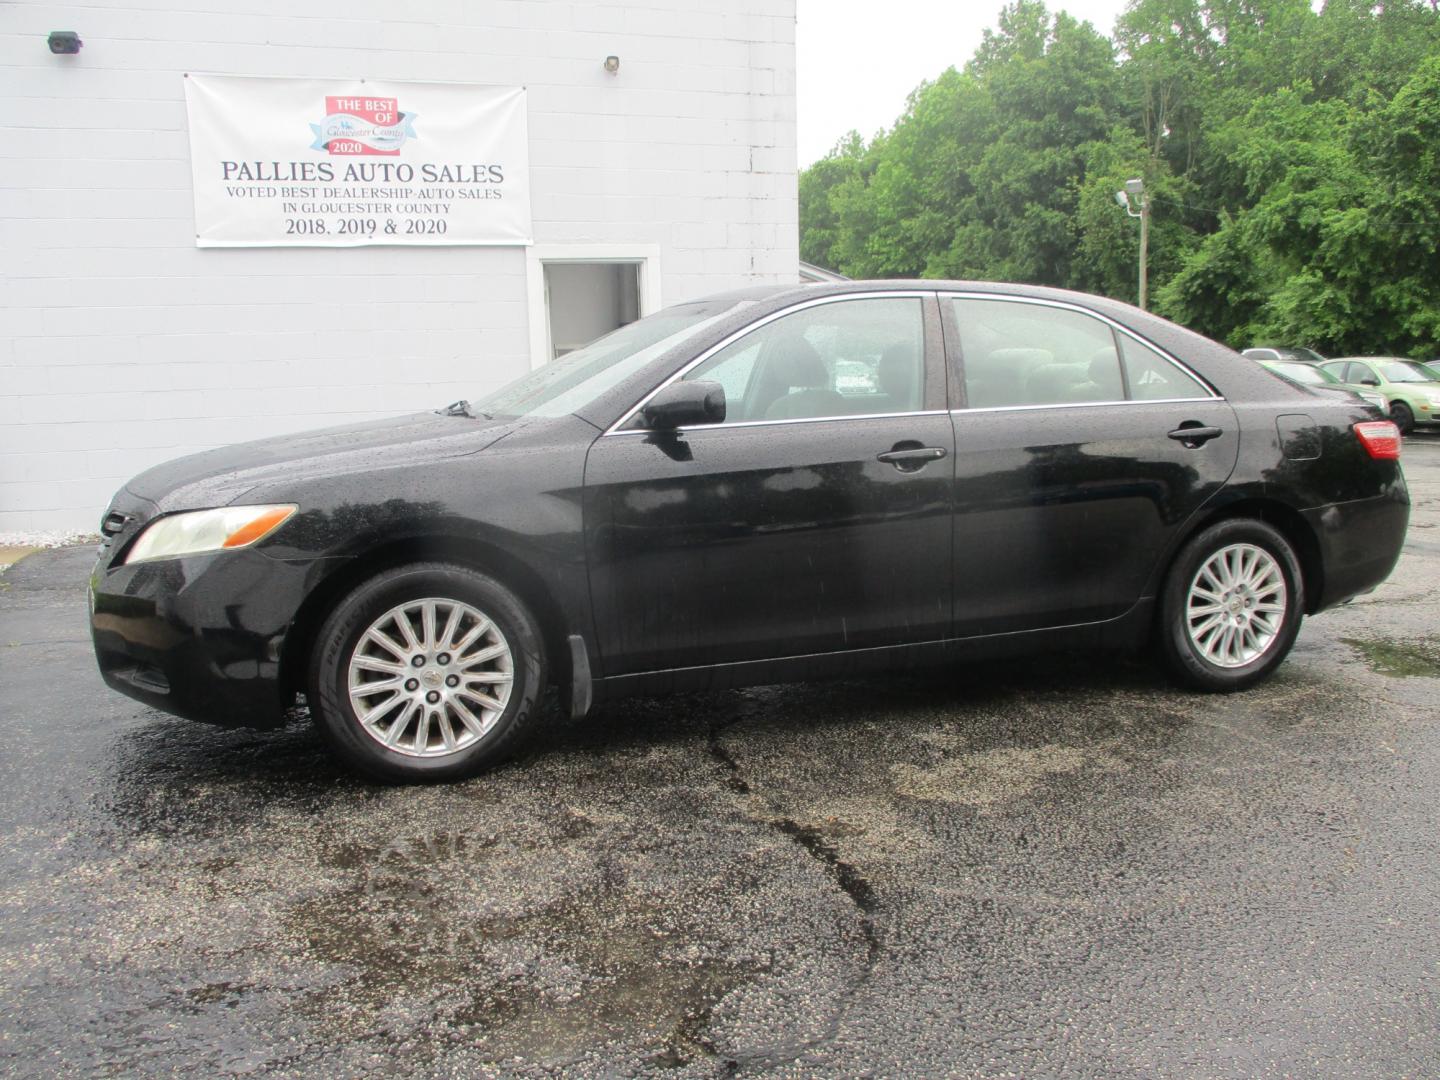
(1058,868)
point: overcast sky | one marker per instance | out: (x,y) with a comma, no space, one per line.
(858,59)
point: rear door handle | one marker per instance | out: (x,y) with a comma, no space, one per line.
(911,458)
(1195,435)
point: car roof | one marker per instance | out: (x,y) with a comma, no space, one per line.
(736,296)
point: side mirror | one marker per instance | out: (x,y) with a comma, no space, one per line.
(1369,380)
(686,402)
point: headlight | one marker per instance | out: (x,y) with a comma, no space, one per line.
(1434,398)
(207,530)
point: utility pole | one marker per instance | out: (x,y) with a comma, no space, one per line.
(1136,188)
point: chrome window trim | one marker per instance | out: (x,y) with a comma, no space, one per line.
(791,420)
(881,294)
(1083,405)
(1204,384)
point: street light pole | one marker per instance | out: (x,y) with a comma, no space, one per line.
(1136,188)
(1144,248)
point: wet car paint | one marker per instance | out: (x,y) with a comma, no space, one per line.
(725,557)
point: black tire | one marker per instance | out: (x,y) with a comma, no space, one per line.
(1403,417)
(341,634)
(1183,657)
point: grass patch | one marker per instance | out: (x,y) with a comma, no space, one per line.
(1400,658)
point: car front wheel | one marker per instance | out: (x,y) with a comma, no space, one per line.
(1403,417)
(1231,606)
(427,672)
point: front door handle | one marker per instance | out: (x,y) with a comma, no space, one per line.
(1192,436)
(911,458)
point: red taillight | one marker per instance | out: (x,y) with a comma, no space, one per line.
(1380,438)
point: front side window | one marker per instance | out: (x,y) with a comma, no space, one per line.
(844,358)
(1023,354)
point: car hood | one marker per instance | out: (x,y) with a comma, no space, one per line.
(221,476)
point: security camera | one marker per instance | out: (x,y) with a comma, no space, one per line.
(64,42)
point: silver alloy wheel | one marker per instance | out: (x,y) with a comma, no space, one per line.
(1236,605)
(430,677)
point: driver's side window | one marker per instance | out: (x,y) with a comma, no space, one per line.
(846,358)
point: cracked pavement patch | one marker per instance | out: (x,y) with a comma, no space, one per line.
(1060,868)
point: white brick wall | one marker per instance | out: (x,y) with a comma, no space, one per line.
(122,345)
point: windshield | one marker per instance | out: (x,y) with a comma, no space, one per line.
(1405,371)
(574,380)
(1303,373)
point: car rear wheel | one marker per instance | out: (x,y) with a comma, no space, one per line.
(427,672)
(1403,416)
(1231,606)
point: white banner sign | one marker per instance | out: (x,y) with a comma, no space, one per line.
(326,163)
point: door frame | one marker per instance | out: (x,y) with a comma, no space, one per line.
(645,256)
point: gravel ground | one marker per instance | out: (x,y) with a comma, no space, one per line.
(50,539)
(1064,868)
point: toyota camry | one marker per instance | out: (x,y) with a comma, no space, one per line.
(780,483)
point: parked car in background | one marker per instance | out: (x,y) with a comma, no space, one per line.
(1411,390)
(1309,375)
(775,484)
(1278,352)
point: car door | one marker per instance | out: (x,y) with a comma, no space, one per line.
(816,518)
(1349,372)
(1073,463)
(1362,375)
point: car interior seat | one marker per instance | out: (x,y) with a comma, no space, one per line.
(998,378)
(798,371)
(897,375)
(1105,375)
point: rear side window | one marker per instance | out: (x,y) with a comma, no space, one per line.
(1022,354)
(1154,377)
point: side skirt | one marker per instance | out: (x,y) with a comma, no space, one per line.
(1128,632)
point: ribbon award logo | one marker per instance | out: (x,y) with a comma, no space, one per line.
(362,125)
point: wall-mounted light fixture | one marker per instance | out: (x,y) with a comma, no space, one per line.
(612,64)
(64,42)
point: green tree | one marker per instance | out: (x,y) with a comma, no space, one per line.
(1289,151)
(819,221)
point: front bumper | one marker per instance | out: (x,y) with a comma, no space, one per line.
(1425,412)
(202,636)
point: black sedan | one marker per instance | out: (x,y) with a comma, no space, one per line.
(768,485)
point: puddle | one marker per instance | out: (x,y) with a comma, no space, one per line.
(1400,658)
